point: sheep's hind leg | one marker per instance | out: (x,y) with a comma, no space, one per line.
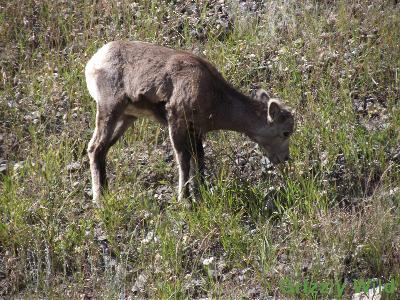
(110,125)
(198,164)
(180,143)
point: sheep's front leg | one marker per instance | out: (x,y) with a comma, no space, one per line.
(179,142)
(198,165)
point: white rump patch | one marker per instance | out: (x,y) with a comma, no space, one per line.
(95,63)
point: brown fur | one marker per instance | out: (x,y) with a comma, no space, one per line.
(182,91)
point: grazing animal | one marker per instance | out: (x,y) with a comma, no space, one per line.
(179,90)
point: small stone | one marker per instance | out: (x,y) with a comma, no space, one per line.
(75,184)
(74,166)
(240,161)
(253,292)
(140,283)
(88,192)
(102,238)
(150,237)
(35,114)
(18,165)
(3,167)
(208,261)
(372,294)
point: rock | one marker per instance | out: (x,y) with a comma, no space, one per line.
(140,283)
(75,184)
(208,261)
(395,155)
(254,292)
(150,237)
(18,165)
(74,166)
(102,238)
(88,192)
(3,167)
(85,297)
(240,161)
(372,294)
(193,284)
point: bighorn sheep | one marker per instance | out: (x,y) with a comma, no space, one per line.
(182,91)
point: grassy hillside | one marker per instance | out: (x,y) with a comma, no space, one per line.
(330,216)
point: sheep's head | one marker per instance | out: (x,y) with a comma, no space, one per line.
(279,126)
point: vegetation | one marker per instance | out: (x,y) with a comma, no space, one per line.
(332,214)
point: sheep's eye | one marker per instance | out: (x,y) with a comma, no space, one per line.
(286,134)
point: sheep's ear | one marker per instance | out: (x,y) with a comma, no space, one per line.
(274,111)
(262,95)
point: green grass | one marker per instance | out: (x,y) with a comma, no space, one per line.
(332,214)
